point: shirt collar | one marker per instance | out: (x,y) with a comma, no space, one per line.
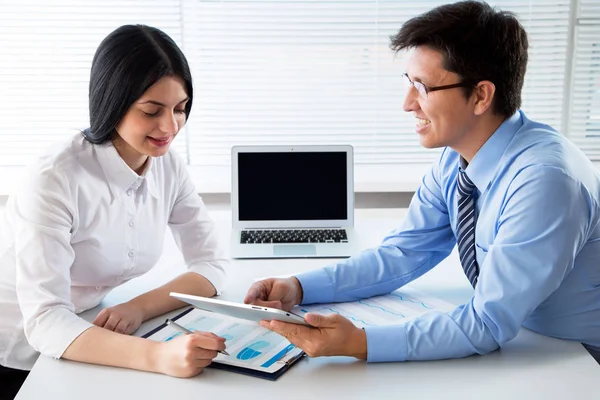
(483,166)
(119,176)
(151,178)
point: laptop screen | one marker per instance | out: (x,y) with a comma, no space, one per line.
(292,186)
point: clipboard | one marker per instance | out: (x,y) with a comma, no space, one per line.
(277,365)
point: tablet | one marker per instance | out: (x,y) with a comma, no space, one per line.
(239,310)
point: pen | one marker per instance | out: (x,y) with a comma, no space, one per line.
(183,329)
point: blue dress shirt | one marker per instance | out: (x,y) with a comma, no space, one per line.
(537,245)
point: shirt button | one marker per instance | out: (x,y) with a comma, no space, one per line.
(129,192)
(130,254)
(131,223)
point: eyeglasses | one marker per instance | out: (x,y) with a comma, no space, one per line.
(424,89)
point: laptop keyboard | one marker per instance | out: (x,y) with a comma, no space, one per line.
(294,236)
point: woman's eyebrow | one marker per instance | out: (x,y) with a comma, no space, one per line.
(158,103)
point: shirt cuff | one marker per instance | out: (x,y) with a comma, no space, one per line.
(316,286)
(54,332)
(386,343)
(213,272)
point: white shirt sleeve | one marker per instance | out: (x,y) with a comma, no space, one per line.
(195,232)
(43,224)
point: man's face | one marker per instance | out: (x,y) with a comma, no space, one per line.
(444,117)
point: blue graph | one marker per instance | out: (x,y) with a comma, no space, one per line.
(411,301)
(387,309)
(202,324)
(234,332)
(173,336)
(253,350)
(381,308)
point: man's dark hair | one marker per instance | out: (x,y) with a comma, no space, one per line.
(478,43)
(127,62)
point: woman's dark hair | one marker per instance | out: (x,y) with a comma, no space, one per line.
(128,61)
(477,43)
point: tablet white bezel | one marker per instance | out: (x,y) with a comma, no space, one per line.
(239,310)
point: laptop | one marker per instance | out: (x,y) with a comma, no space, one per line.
(292,201)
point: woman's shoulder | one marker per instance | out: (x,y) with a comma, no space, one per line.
(60,161)
(63,153)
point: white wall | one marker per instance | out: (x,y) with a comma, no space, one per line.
(362,200)
(219,201)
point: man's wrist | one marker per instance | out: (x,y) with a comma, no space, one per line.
(358,344)
(299,290)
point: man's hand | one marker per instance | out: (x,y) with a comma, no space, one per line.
(283,294)
(331,335)
(124,318)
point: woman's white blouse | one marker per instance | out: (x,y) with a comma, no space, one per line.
(82,224)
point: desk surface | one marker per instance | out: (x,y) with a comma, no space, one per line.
(529,367)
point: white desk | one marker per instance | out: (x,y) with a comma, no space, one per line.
(529,367)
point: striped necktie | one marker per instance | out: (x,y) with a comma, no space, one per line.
(466,226)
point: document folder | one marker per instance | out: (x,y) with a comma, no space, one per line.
(254,350)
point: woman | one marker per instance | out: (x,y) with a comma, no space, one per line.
(92,215)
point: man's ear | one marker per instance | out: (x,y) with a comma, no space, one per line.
(483,96)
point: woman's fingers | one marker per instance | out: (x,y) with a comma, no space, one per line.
(112,322)
(122,326)
(101,318)
(207,341)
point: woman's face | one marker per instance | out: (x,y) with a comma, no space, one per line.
(152,122)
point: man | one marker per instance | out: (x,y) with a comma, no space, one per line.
(521,202)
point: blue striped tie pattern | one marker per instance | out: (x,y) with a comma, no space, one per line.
(466,226)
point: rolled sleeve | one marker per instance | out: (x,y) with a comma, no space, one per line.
(213,272)
(54,331)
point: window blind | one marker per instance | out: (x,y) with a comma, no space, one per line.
(47,50)
(584,121)
(274,72)
(297,72)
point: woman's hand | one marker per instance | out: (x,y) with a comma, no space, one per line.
(188,355)
(124,318)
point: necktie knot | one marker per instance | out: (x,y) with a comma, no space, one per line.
(465,184)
